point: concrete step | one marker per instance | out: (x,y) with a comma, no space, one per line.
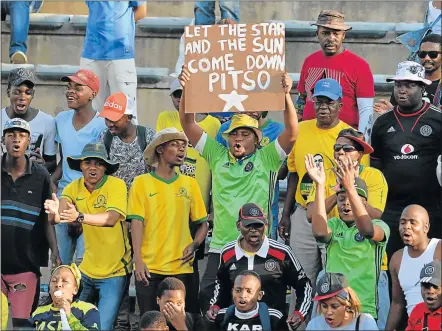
(152,95)
(58,40)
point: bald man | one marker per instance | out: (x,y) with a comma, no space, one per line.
(406,263)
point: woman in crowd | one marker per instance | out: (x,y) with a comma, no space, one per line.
(63,288)
(339,306)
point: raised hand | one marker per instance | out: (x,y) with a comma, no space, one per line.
(346,172)
(316,173)
(286,82)
(184,76)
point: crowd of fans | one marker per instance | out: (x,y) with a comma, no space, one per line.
(356,246)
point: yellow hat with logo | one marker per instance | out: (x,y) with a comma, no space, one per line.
(243,121)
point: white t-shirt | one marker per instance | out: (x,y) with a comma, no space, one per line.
(433,14)
(366,322)
(42,132)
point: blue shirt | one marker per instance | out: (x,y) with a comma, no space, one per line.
(72,142)
(270,131)
(110,32)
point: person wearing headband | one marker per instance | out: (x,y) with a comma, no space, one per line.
(63,289)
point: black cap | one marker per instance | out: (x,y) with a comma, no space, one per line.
(251,213)
(330,285)
(19,76)
(431,273)
(361,188)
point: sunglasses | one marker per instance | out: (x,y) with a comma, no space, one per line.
(347,148)
(431,54)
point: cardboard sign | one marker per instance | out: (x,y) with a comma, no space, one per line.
(235,68)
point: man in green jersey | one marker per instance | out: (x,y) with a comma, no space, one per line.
(243,172)
(355,242)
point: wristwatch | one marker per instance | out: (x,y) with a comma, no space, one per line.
(80,218)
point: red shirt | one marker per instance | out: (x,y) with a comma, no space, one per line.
(351,71)
(416,319)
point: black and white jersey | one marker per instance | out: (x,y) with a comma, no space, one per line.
(276,265)
(249,321)
(406,147)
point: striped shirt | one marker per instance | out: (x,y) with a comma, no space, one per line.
(23,219)
(276,265)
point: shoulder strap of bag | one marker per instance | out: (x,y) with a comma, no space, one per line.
(435,22)
(264,316)
(141,135)
(358,320)
(228,316)
(107,140)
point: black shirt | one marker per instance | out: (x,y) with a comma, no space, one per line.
(194,322)
(276,265)
(23,219)
(249,321)
(429,93)
(406,147)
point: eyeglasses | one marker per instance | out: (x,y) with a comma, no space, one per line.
(431,54)
(347,148)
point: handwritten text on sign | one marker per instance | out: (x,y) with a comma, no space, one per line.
(235,67)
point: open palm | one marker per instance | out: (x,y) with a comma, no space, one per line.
(51,206)
(316,173)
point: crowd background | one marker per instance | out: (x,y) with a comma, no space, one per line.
(145,107)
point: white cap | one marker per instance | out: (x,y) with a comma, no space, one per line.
(409,70)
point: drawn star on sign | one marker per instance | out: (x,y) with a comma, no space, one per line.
(233,99)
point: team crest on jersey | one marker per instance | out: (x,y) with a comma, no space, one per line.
(265,141)
(270,265)
(359,237)
(182,193)
(249,167)
(426,130)
(100,202)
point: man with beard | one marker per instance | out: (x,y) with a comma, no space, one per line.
(427,315)
(161,204)
(274,262)
(270,132)
(407,142)
(21,91)
(430,56)
(241,173)
(406,263)
(335,62)
(315,137)
(24,224)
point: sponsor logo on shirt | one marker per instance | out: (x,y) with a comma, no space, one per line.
(244,327)
(406,150)
(233,267)
(391,129)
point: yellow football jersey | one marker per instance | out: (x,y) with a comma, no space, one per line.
(107,251)
(165,208)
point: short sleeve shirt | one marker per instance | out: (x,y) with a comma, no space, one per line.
(107,250)
(165,208)
(358,258)
(194,164)
(43,132)
(366,322)
(129,156)
(73,141)
(110,32)
(351,71)
(237,182)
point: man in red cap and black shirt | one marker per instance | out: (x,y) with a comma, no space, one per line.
(407,142)
(274,262)
(76,127)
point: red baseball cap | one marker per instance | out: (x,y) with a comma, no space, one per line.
(117,105)
(84,77)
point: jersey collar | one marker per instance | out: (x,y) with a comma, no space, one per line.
(248,315)
(262,252)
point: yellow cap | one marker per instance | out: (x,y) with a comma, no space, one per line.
(74,269)
(243,121)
